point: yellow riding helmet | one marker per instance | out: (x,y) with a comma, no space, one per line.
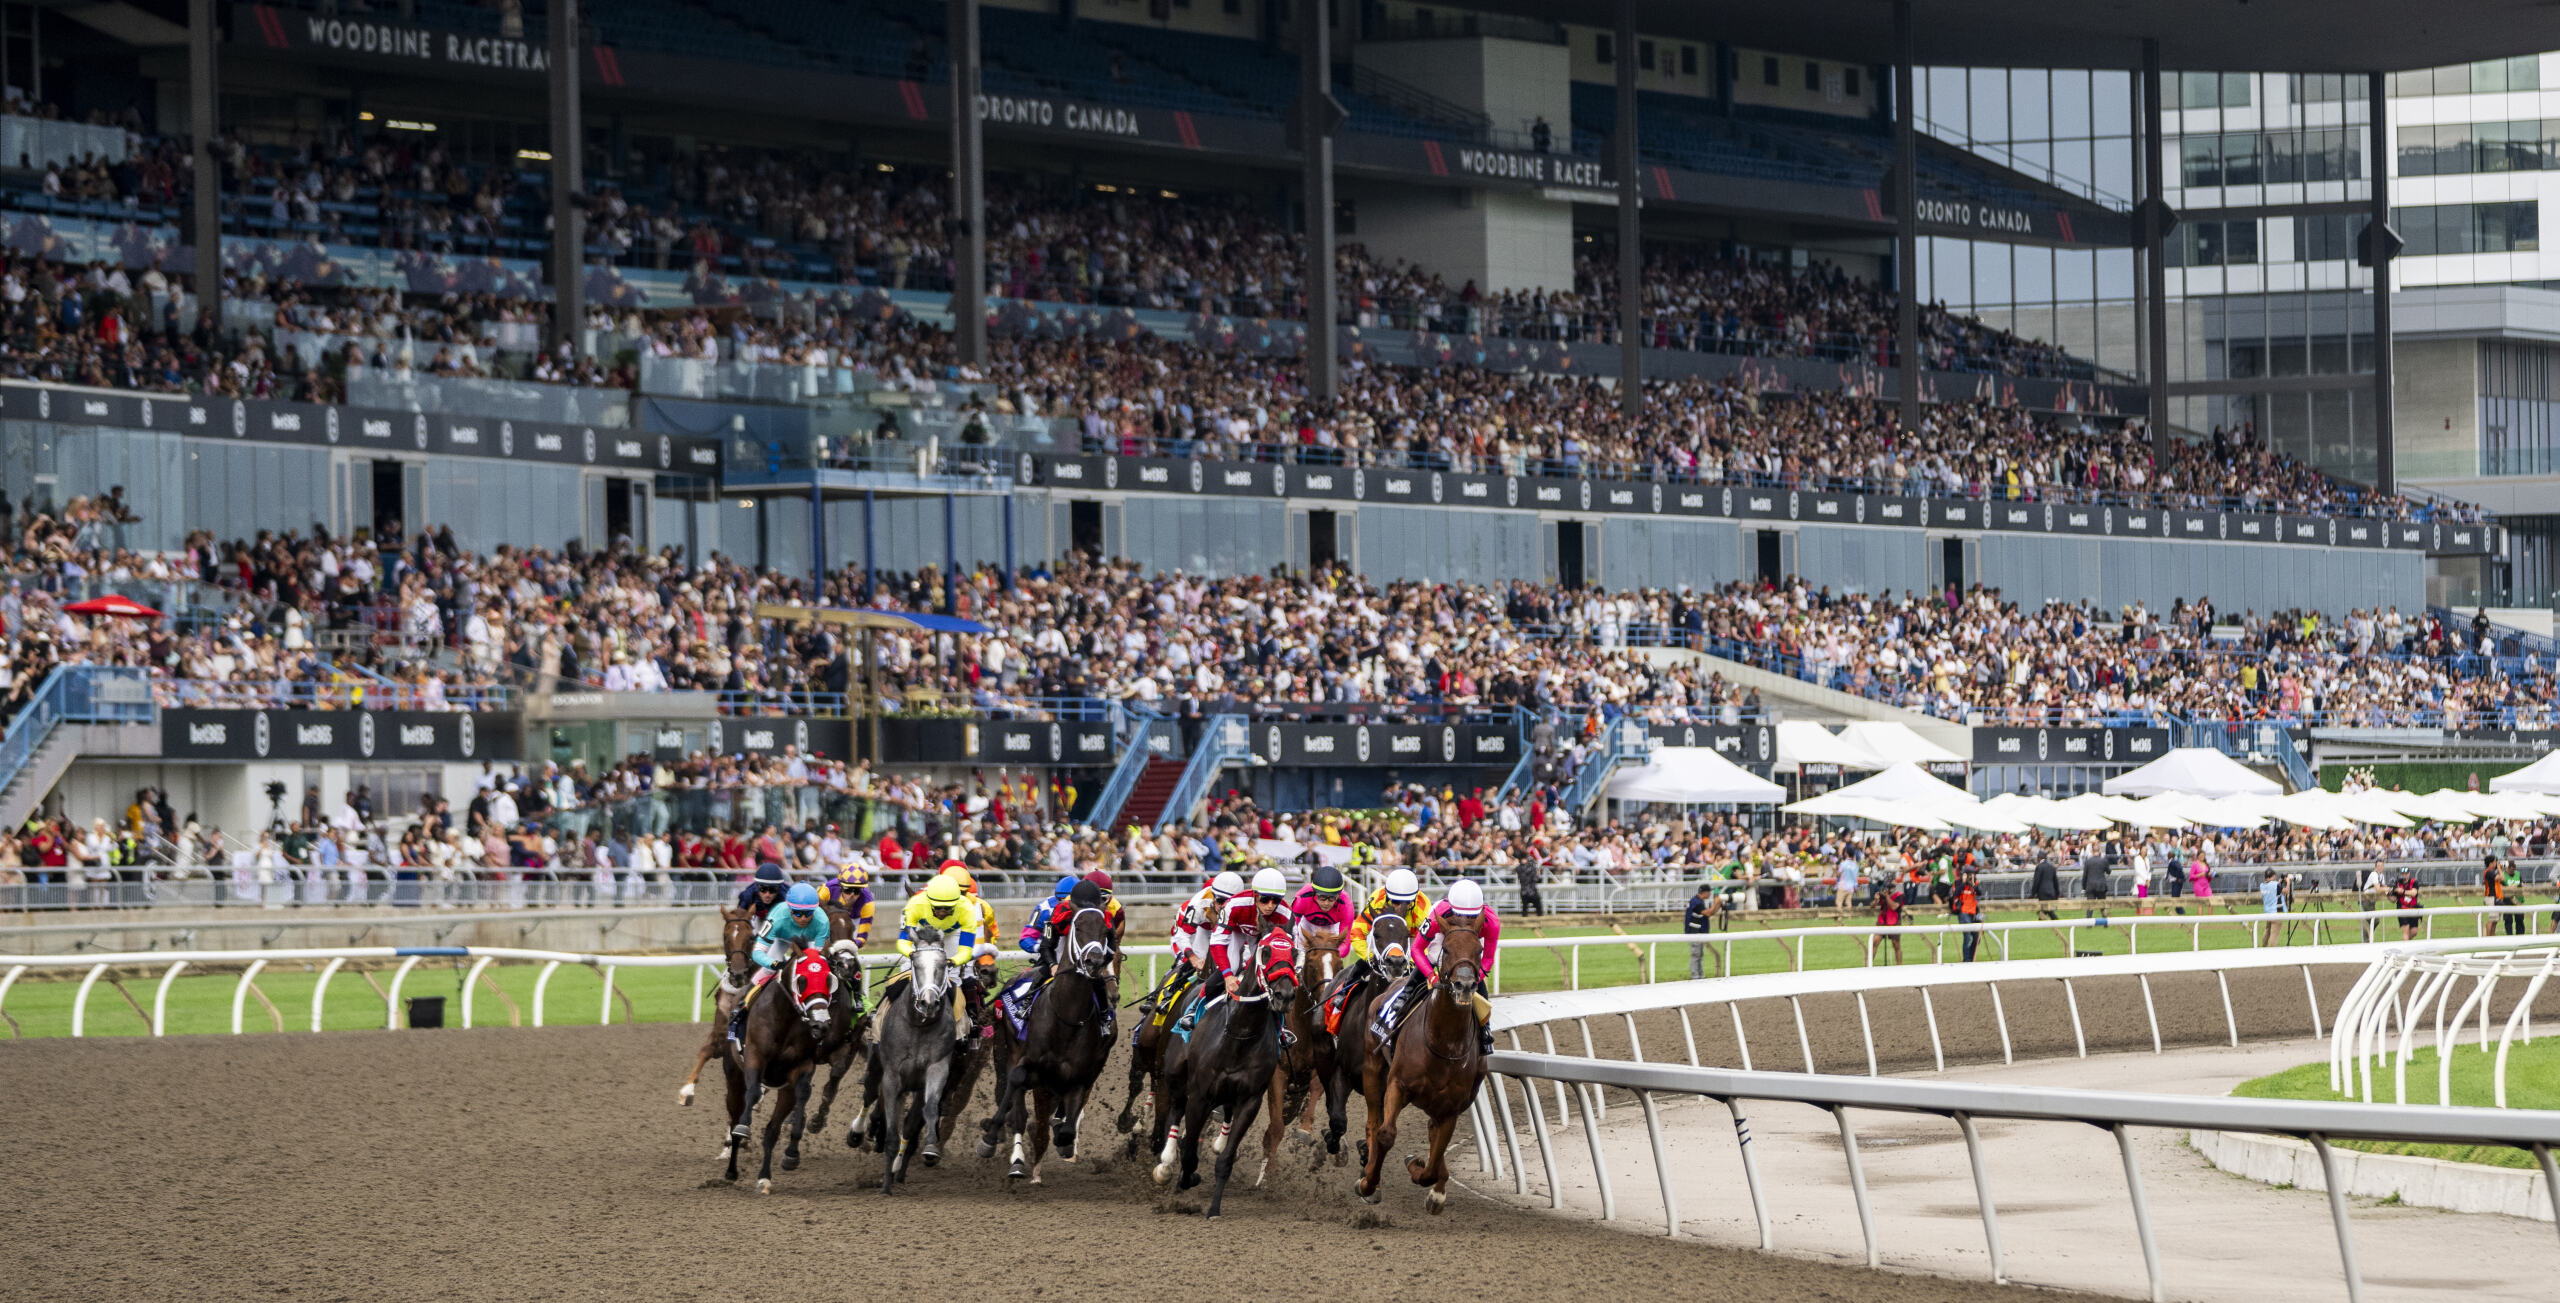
(943,891)
(967,880)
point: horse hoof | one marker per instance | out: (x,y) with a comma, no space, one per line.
(1369,1196)
(791,1162)
(1017,1170)
(684,1094)
(723,1155)
(1163,1173)
(1189,1180)
(764,1186)
(1414,1168)
(986,1149)
(1436,1204)
(853,1140)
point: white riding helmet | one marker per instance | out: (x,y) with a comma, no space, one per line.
(1402,885)
(1465,897)
(1270,882)
(1226,884)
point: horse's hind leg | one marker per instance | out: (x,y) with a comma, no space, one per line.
(711,1046)
(936,1078)
(836,1068)
(737,1093)
(1435,1173)
(801,1089)
(1383,1106)
(1038,1106)
(868,1122)
(1337,1118)
(1272,1126)
(892,1152)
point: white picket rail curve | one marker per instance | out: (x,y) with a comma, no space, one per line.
(1576,1081)
(2386,996)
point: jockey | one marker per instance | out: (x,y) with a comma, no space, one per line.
(1265,912)
(1401,897)
(1322,904)
(1035,929)
(983,955)
(1466,901)
(948,911)
(850,890)
(759,896)
(1193,922)
(1090,892)
(795,925)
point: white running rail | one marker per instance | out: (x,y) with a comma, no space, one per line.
(2406,984)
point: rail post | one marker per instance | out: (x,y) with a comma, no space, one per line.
(2338,1216)
(240,994)
(1588,1096)
(320,988)
(1982,1195)
(2141,1214)
(1661,1163)
(1751,1173)
(160,998)
(1857,1181)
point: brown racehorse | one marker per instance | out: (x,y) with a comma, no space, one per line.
(738,943)
(1147,1042)
(1043,1084)
(1225,1066)
(780,1049)
(1431,1063)
(1308,1065)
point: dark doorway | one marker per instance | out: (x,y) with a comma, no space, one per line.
(1951,564)
(1084,527)
(1324,539)
(390,501)
(618,512)
(1570,563)
(1771,563)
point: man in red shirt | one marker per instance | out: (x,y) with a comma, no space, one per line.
(1471,810)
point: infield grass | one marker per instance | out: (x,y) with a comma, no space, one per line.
(2533,1081)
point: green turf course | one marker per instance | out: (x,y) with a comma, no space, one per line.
(2533,1081)
(40,1003)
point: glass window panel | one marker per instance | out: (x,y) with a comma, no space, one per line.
(2240,242)
(2200,161)
(1990,97)
(2034,265)
(2489,77)
(2240,158)
(2235,90)
(1945,104)
(2070,104)
(2524,72)
(2111,103)
(2115,274)
(2198,90)
(1991,276)
(2074,275)
(2112,159)
(2030,104)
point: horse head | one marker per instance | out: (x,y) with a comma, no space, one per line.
(1391,947)
(1315,965)
(1462,941)
(737,944)
(1088,947)
(928,976)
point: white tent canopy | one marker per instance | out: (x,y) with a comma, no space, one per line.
(1907,782)
(2196,771)
(1803,742)
(1693,776)
(1897,744)
(2542,777)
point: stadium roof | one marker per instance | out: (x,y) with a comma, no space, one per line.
(2233,35)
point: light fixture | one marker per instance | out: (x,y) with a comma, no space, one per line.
(534,155)
(364,115)
(403,124)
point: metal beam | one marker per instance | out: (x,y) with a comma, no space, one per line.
(1315,151)
(2378,155)
(1630,226)
(568,179)
(1906,218)
(203,105)
(968,189)
(2155,248)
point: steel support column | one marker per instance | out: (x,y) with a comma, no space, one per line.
(968,188)
(568,179)
(1315,150)
(1630,226)
(2155,248)
(2378,155)
(1906,220)
(203,106)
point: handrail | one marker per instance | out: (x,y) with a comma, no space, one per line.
(1625,740)
(1224,741)
(73,694)
(1124,775)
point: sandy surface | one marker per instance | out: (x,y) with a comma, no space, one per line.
(506,1164)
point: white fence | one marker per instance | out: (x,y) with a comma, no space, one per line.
(2387,995)
(1576,1083)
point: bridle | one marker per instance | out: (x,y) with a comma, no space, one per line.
(928,978)
(1089,958)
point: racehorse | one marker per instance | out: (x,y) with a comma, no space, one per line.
(787,1033)
(1432,1062)
(840,924)
(1147,1044)
(738,943)
(1390,960)
(1063,1048)
(1227,1064)
(1307,1065)
(911,1051)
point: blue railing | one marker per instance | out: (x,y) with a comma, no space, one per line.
(1223,741)
(1124,775)
(1624,740)
(2248,739)
(74,694)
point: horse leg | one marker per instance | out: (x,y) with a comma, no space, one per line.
(783,1108)
(937,1076)
(887,1102)
(1435,1173)
(745,1117)
(1195,1119)
(1128,1119)
(1041,1101)
(868,1123)
(1008,1120)
(837,1066)
(684,1093)
(1240,1118)
(737,1087)
(1272,1126)
(802,1088)
(1382,1133)
(1337,1118)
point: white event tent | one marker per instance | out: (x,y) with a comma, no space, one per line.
(2195,771)
(1693,776)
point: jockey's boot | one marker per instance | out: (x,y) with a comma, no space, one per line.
(1484,1022)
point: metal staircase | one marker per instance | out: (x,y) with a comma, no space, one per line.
(1223,741)
(76,709)
(1135,751)
(1623,741)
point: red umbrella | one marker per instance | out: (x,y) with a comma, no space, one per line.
(113,604)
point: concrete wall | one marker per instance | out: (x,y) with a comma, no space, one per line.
(2436,406)
(1514,83)
(1501,240)
(1842,88)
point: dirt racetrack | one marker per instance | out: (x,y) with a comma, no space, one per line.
(555,1164)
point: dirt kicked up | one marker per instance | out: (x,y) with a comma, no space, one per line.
(555,1164)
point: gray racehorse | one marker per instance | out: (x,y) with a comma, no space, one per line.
(913,1038)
